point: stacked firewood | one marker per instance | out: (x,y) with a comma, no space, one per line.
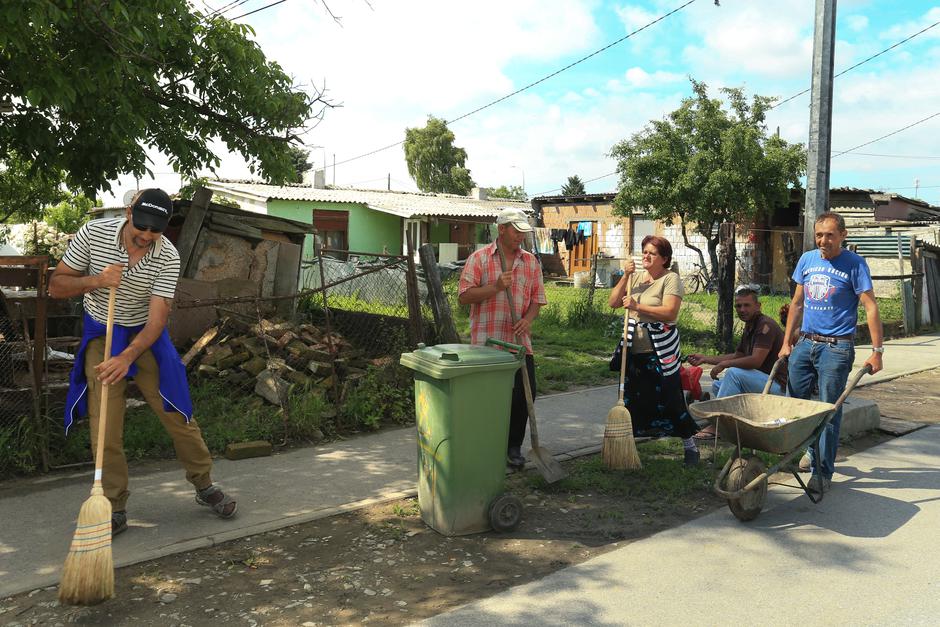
(271,358)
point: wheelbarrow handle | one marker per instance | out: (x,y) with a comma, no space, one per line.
(866,369)
(773,373)
(519,349)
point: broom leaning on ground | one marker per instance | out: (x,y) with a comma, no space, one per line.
(88,574)
(619,448)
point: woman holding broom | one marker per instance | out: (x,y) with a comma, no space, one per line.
(653,390)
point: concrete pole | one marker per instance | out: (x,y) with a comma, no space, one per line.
(820,120)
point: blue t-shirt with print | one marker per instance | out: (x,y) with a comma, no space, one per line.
(830,291)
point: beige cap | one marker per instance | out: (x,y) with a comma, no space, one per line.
(515,217)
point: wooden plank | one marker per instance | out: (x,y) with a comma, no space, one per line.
(191,228)
(439,305)
(234,225)
(287,276)
(22,260)
(200,345)
(18,277)
(415,319)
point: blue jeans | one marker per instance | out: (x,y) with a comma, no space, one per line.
(742,381)
(829,365)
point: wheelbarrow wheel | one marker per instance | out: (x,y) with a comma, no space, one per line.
(750,504)
(505,513)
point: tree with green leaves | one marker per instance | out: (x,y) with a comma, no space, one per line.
(513,192)
(300,161)
(94,85)
(435,164)
(574,187)
(70,214)
(703,165)
(26,189)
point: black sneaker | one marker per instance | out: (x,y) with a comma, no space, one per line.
(692,457)
(514,456)
(118,522)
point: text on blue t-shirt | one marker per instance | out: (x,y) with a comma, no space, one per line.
(830,291)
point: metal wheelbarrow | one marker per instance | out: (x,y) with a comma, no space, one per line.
(773,424)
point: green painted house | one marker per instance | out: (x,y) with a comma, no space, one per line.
(375,221)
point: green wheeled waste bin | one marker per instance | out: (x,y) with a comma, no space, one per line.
(463,394)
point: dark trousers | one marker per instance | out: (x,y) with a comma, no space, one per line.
(519,414)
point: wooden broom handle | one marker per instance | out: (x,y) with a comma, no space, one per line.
(623,353)
(526,385)
(103,404)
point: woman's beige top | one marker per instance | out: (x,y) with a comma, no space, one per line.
(648,292)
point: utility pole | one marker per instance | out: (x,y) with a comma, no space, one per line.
(820,120)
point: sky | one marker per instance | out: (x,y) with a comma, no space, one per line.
(391,63)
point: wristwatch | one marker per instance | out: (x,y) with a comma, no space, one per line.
(878,349)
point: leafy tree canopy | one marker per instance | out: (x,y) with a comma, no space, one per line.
(25,189)
(435,164)
(705,165)
(70,214)
(93,85)
(300,162)
(513,192)
(574,186)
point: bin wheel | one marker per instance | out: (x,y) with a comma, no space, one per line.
(505,512)
(742,472)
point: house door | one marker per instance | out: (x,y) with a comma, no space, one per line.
(641,228)
(462,234)
(579,256)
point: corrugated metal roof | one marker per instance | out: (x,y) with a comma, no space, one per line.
(404,204)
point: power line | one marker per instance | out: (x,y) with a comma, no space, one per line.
(267,6)
(862,62)
(921,121)
(534,83)
(872,154)
(224,8)
(557,189)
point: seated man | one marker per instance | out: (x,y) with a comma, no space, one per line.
(746,370)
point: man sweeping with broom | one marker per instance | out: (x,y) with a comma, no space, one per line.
(127,271)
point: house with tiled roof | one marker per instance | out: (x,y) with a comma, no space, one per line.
(375,221)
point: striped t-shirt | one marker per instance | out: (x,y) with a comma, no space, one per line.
(98,244)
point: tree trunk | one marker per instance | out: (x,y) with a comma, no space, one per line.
(715,271)
(726,267)
(685,240)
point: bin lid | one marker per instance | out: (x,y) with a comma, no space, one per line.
(445,361)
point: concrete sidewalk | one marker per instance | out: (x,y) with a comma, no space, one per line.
(37,516)
(847,561)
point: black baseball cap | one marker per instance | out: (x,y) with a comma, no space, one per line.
(151,210)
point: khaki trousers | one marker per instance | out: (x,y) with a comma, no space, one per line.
(191,450)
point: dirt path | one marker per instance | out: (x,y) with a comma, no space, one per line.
(913,398)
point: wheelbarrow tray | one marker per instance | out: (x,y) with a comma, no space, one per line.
(764,422)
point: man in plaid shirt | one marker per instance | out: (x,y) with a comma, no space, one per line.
(483,286)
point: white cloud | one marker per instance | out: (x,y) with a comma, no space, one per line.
(857,22)
(638,77)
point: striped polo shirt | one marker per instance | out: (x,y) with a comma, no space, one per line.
(98,244)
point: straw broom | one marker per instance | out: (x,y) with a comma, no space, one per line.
(619,448)
(88,574)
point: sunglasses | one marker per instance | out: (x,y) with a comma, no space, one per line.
(147,228)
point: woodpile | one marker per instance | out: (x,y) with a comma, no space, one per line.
(271,358)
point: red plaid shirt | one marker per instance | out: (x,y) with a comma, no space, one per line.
(492,318)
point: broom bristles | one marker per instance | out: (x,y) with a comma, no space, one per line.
(88,574)
(619,448)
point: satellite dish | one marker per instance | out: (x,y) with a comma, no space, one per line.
(129,196)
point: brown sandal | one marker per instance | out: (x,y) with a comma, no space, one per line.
(222,505)
(708,433)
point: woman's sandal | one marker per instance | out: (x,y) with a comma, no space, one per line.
(708,433)
(222,504)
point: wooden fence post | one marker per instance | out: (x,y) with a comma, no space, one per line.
(447,331)
(917,266)
(415,319)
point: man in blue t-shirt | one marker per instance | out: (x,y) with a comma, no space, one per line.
(830,283)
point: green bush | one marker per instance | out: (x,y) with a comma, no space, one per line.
(382,396)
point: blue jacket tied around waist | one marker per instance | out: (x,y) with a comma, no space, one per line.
(173,386)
